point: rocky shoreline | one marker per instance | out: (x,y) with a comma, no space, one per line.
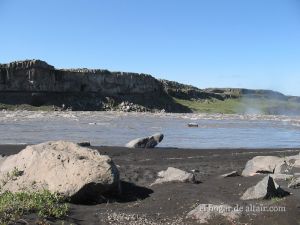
(170,202)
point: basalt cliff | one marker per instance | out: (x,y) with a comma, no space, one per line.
(34,82)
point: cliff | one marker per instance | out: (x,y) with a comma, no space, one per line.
(38,76)
(37,83)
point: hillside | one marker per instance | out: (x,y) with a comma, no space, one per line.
(36,85)
(236,101)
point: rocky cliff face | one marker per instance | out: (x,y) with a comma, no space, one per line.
(38,76)
(36,82)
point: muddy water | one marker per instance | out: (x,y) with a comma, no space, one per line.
(111,128)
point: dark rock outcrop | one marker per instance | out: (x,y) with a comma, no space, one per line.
(38,76)
(36,83)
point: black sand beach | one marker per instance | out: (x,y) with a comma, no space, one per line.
(169,203)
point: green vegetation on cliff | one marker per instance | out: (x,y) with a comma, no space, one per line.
(243,105)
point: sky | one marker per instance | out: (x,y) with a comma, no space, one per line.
(206,43)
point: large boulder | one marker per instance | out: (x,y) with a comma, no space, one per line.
(174,175)
(146,142)
(261,164)
(80,173)
(267,188)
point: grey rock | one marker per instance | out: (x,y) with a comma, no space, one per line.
(193,125)
(146,142)
(261,164)
(295,183)
(80,173)
(174,175)
(267,188)
(288,165)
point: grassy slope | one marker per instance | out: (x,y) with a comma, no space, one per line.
(241,105)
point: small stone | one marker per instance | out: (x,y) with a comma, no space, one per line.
(231,174)
(193,125)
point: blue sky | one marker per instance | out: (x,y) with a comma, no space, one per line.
(212,43)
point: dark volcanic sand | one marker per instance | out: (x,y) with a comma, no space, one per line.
(169,203)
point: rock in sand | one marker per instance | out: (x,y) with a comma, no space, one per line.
(261,164)
(267,188)
(288,165)
(80,173)
(174,175)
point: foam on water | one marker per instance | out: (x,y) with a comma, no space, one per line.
(117,128)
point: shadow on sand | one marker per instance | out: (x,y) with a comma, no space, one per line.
(131,192)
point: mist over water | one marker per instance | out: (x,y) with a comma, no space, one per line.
(116,129)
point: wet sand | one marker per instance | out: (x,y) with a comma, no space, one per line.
(169,203)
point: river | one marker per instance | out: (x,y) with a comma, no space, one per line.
(117,128)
